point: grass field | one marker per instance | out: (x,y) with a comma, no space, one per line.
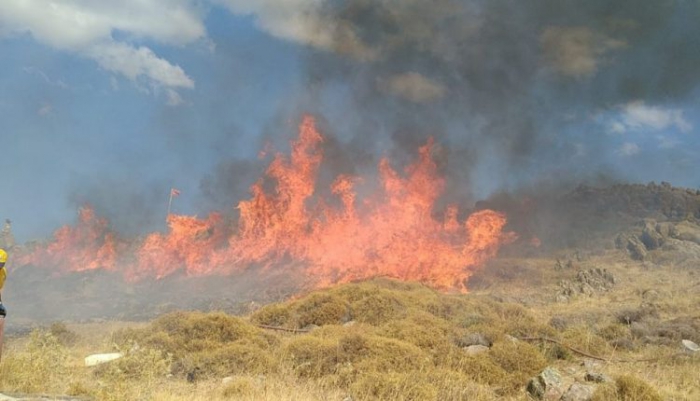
(388,340)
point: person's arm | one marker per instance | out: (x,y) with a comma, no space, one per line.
(3,275)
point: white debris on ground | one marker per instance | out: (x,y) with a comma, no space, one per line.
(98,359)
(690,346)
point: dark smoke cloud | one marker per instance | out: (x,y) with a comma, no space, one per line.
(494,80)
(130,209)
(229,183)
(498,48)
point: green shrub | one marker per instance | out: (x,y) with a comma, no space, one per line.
(421,329)
(481,369)
(387,354)
(379,308)
(214,343)
(272,315)
(521,360)
(615,332)
(626,388)
(312,356)
(630,388)
(321,309)
(236,358)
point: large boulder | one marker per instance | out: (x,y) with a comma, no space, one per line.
(587,282)
(679,252)
(546,386)
(666,229)
(651,237)
(687,231)
(633,245)
(579,392)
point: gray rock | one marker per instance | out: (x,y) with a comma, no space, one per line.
(666,229)
(687,231)
(678,250)
(474,339)
(590,364)
(546,385)
(651,238)
(633,245)
(587,282)
(597,377)
(578,392)
(475,349)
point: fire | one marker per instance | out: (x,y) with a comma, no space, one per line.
(88,245)
(393,233)
(188,243)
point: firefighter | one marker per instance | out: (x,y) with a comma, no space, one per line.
(3,275)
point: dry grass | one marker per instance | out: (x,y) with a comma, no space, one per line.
(379,340)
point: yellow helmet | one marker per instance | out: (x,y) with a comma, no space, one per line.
(3,256)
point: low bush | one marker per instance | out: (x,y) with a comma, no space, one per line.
(38,367)
(212,343)
(626,388)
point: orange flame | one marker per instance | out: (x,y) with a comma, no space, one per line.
(88,245)
(393,233)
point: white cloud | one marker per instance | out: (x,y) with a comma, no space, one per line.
(617,127)
(45,110)
(637,115)
(295,20)
(174,98)
(106,31)
(43,76)
(88,28)
(138,62)
(629,149)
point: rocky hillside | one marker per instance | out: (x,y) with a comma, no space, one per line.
(590,216)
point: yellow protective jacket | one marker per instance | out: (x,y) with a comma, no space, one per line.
(3,275)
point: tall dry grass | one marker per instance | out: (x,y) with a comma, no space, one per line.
(376,340)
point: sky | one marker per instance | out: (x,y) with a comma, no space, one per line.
(113,105)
